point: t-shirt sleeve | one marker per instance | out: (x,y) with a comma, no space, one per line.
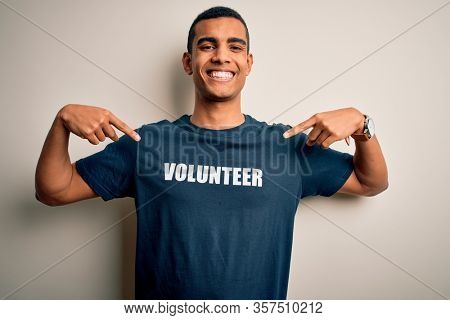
(111,172)
(323,171)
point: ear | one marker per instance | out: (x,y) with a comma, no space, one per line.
(187,63)
(249,63)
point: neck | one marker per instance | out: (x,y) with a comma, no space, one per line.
(217,115)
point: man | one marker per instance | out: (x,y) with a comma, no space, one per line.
(216,192)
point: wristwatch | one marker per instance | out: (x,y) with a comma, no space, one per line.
(368,131)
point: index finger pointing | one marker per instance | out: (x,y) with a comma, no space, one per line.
(302,126)
(122,126)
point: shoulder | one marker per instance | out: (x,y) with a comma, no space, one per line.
(263,125)
(154,129)
(155,126)
(276,130)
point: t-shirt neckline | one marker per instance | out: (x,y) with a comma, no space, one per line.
(187,120)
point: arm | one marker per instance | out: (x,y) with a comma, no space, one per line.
(57,181)
(369,176)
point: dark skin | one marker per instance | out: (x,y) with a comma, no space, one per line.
(219,45)
(369,176)
(219,64)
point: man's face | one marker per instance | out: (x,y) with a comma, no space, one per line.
(219,62)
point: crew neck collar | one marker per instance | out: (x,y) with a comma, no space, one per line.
(186,119)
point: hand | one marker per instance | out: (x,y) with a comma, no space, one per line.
(93,123)
(330,126)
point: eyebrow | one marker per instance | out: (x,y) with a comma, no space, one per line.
(214,40)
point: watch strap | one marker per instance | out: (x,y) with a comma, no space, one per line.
(362,136)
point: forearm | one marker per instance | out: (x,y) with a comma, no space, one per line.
(54,170)
(370,166)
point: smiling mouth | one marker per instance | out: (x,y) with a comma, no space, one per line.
(220,75)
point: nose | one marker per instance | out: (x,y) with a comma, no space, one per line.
(220,55)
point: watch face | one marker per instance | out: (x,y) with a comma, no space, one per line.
(370,127)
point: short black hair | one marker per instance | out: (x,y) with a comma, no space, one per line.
(216,12)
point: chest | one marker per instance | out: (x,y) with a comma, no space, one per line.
(228,172)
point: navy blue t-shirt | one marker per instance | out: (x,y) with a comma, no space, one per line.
(215,208)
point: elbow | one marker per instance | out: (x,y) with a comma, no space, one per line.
(373,191)
(48,200)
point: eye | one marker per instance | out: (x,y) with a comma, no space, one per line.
(236,48)
(207,47)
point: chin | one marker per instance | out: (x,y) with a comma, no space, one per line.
(220,97)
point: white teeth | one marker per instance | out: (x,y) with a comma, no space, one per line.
(221,74)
